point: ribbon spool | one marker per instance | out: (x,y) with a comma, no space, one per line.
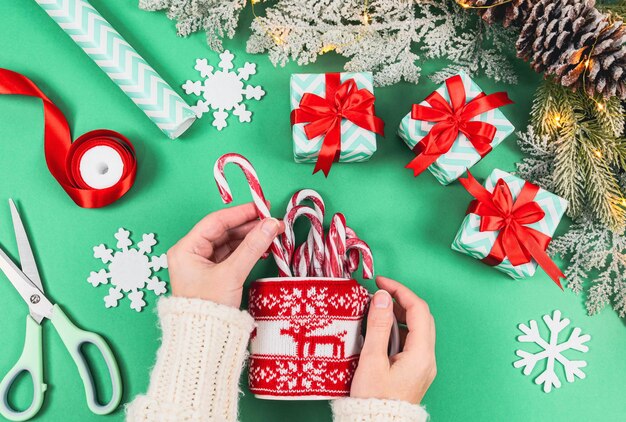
(95,170)
(100,159)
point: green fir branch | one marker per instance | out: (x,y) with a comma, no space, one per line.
(590,153)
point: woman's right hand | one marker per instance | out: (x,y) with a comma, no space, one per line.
(214,259)
(407,375)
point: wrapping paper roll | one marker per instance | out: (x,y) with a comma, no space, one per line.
(91,32)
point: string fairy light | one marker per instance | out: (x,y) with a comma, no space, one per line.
(365,21)
(588,63)
(465,5)
(278,39)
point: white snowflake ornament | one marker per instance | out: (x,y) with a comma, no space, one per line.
(223,90)
(129,270)
(552,351)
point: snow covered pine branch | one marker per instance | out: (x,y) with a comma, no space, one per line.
(388,37)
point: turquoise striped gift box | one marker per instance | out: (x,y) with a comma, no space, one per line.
(357,144)
(471,241)
(462,155)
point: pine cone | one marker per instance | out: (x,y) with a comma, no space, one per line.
(574,41)
(603,59)
(513,13)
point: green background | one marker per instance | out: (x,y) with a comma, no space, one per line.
(409,223)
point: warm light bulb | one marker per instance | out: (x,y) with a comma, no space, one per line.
(329,47)
(464,5)
(587,63)
(278,40)
(598,153)
(600,106)
(623,202)
(557,120)
(366,18)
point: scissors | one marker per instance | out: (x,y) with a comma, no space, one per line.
(28,284)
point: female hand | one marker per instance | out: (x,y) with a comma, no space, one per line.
(214,259)
(407,375)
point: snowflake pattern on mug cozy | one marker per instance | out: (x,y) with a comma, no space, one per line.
(129,270)
(552,351)
(223,90)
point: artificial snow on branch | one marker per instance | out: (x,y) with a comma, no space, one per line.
(387,37)
(597,256)
(575,147)
(218,18)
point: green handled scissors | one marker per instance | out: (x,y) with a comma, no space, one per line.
(28,284)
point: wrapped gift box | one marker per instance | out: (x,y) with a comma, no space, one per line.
(357,144)
(462,156)
(478,244)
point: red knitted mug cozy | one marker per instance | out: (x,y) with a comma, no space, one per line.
(307,339)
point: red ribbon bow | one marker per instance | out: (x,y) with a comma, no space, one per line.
(452,119)
(324,115)
(64,156)
(516,241)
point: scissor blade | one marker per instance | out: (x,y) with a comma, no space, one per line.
(37,302)
(27,259)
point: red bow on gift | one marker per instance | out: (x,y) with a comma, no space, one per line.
(516,241)
(324,115)
(452,119)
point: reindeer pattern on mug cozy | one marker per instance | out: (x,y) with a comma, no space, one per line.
(307,326)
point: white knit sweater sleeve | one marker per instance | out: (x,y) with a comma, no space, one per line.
(375,410)
(199,363)
(197,371)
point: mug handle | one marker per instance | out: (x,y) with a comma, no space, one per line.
(394,341)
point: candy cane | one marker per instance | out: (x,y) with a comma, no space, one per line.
(335,247)
(301,260)
(366,253)
(257,196)
(307,194)
(317,231)
(298,198)
(351,259)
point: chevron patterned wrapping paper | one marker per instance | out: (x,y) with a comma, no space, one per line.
(462,155)
(108,49)
(471,241)
(357,144)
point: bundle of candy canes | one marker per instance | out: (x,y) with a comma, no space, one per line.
(334,254)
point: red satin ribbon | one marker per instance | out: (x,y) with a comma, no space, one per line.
(516,241)
(63,157)
(324,115)
(452,119)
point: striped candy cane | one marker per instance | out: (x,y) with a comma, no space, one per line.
(317,232)
(302,258)
(335,247)
(353,244)
(257,196)
(351,258)
(298,198)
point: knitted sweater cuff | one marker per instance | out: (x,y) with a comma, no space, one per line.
(199,363)
(376,410)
